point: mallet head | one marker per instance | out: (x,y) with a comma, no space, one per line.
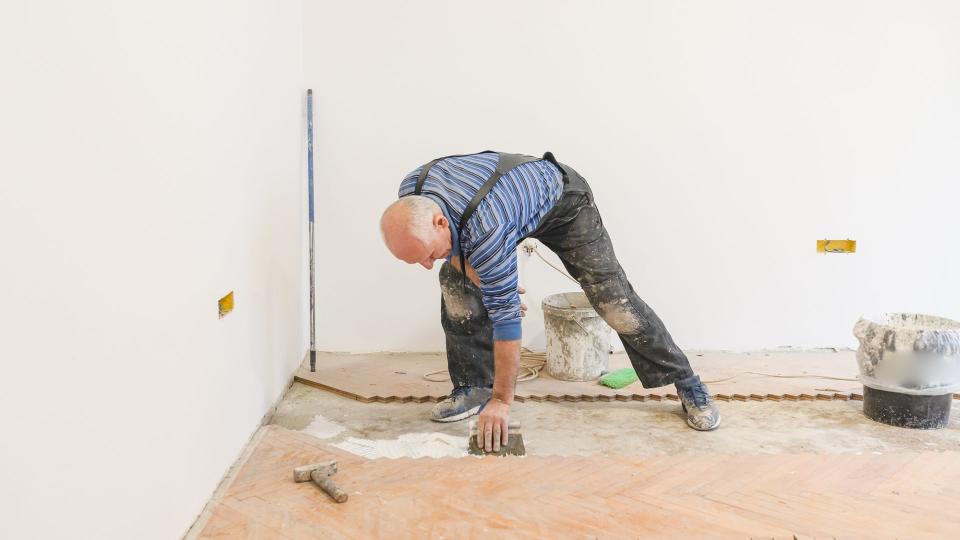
(326,468)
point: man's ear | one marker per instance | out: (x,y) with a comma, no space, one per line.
(440,220)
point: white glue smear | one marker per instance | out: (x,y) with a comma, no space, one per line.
(410,445)
(322,428)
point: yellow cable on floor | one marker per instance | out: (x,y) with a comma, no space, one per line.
(781,377)
(530,365)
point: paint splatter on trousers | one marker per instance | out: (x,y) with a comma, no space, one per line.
(574,231)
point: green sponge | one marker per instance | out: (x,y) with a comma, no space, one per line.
(619,378)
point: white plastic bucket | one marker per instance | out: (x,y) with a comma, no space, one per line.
(909,353)
(578,339)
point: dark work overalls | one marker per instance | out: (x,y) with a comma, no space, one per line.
(574,231)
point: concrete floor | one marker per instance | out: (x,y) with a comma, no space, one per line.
(627,428)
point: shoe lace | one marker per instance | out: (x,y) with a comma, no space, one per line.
(458,392)
(699,395)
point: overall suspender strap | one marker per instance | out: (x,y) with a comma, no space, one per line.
(563,169)
(423,175)
(425,170)
(506,163)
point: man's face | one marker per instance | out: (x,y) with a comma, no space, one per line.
(425,255)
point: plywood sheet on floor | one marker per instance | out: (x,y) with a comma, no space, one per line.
(676,496)
(388,377)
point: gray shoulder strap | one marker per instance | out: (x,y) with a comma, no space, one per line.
(506,163)
(425,170)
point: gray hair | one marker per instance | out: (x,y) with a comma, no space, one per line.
(417,215)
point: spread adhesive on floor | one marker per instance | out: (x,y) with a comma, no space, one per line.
(409,445)
(322,428)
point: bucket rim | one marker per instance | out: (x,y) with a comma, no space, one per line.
(894,320)
(573,300)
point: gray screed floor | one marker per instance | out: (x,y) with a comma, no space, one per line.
(614,428)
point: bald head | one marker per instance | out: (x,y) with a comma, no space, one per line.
(416,231)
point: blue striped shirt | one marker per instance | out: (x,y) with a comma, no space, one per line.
(511,211)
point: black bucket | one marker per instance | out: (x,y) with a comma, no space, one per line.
(906,410)
(915,359)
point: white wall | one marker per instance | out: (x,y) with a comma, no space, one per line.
(722,140)
(151,156)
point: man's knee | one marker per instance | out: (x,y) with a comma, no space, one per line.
(621,316)
(612,300)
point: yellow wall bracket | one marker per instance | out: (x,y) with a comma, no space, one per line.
(837,246)
(225,304)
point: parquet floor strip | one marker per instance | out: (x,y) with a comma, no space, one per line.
(694,496)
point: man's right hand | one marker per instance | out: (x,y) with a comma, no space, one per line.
(492,425)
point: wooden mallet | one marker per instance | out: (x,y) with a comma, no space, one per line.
(321,474)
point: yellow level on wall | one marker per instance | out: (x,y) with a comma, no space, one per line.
(837,246)
(225,304)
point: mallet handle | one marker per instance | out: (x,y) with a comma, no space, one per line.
(325,483)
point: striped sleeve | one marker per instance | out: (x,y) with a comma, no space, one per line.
(492,253)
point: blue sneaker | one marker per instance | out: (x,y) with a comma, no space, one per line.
(463,402)
(702,413)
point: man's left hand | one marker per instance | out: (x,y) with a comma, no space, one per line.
(492,425)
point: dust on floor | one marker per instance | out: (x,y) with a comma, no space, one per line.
(615,428)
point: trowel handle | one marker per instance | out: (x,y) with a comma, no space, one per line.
(512,427)
(325,483)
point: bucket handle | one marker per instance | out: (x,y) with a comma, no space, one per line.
(580,325)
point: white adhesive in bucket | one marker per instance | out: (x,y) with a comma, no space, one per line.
(578,339)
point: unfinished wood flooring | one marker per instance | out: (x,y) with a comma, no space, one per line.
(716,496)
(398,377)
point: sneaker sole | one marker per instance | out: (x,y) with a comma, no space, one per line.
(684,407)
(457,417)
(708,429)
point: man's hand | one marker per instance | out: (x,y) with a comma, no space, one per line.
(492,425)
(523,307)
(494,420)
